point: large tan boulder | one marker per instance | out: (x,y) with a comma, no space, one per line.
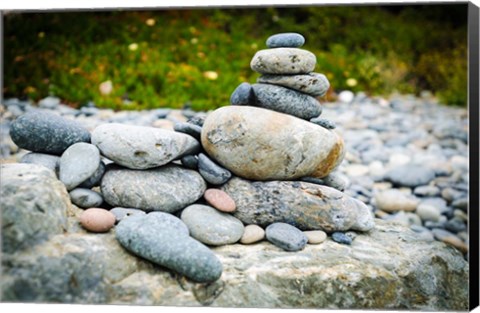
(260,144)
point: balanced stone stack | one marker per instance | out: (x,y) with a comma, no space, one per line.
(242,174)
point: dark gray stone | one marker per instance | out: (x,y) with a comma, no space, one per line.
(288,101)
(328,124)
(96,178)
(211,226)
(34,205)
(51,162)
(78,163)
(190,161)
(212,172)
(190,129)
(168,188)
(303,205)
(157,241)
(313,84)
(292,40)
(46,132)
(121,213)
(286,236)
(410,175)
(342,238)
(86,198)
(243,95)
(198,119)
(455,225)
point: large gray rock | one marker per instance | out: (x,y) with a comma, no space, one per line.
(34,205)
(314,84)
(140,147)
(154,238)
(168,188)
(285,100)
(45,132)
(283,61)
(387,268)
(260,144)
(304,205)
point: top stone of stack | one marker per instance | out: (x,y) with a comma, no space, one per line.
(285,40)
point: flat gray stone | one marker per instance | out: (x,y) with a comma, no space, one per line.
(283,61)
(292,40)
(190,161)
(50,161)
(140,147)
(286,236)
(78,163)
(34,205)
(86,198)
(285,100)
(168,188)
(261,144)
(328,124)
(313,84)
(210,226)
(303,205)
(153,239)
(189,129)
(46,132)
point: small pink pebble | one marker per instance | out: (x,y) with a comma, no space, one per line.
(220,200)
(97,220)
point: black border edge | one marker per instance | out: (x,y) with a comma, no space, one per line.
(473,103)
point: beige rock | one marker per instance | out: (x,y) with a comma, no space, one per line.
(283,61)
(260,144)
(315,236)
(394,200)
(253,233)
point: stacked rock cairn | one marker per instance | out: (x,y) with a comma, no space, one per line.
(260,168)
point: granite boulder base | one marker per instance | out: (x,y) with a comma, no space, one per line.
(260,144)
(303,205)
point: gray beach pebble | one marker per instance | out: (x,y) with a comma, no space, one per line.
(85,198)
(313,84)
(286,236)
(293,40)
(78,163)
(283,61)
(212,172)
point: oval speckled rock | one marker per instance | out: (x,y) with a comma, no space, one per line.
(168,188)
(140,147)
(46,132)
(303,205)
(210,226)
(97,220)
(260,144)
(314,84)
(285,100)
(293,40)
(286,236)
(242,95)
(283,61)
(154,240)
(78,163)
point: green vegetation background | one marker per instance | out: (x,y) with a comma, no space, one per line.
(166,58)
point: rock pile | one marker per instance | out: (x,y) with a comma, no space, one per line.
(202,183)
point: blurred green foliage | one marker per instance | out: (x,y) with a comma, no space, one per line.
(166,58)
